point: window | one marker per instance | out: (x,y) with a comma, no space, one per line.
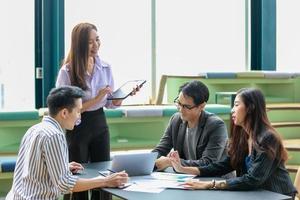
(17,55)
(199,36)
(288,32)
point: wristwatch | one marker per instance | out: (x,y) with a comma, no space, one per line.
(219,184)
(222,184)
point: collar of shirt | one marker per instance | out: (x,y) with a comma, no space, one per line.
(53,121)
(98,65)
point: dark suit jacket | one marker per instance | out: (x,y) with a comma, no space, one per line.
(263,173)
(211,139)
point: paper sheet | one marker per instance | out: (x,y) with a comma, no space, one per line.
(144,187)
(172,176)
(159,181)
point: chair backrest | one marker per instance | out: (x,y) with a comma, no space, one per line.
(297,183)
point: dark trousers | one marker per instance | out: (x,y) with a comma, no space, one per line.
(89,142)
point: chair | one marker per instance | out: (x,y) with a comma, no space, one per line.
(297,184)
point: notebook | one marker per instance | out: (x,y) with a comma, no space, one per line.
(137,164)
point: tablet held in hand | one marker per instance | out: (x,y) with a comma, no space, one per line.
(126,89)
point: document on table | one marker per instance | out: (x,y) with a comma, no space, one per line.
(172,176)
(146,186)
(159,181)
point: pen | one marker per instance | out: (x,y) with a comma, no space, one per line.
(112,171)
(103,174)
(125,185)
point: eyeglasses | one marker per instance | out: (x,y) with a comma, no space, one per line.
(184,106)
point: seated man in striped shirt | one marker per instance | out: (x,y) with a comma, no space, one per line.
(42,169)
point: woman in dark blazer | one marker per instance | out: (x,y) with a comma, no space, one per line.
(255,152)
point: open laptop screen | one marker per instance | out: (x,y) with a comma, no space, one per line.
(136,164)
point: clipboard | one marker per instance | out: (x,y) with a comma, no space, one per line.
(125,90)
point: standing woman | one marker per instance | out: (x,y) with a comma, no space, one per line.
(89,141)
(255,151)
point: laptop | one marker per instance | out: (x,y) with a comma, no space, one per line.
(137,164)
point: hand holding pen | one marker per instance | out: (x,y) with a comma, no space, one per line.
(116,179)
(102,92)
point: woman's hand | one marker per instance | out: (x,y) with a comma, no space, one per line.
(135,90)
(117,102)
(102,92)
(198,185)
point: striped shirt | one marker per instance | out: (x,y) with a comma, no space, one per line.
(42,169)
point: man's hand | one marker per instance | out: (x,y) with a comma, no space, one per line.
(175,161)
(116,179)
(75,167)
(163,162)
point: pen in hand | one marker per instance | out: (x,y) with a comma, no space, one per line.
(103,173)
(110,92)
(111,171)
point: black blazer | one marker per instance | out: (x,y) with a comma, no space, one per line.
(264,172)
(211,139)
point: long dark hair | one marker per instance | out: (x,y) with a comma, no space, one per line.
(78,55)
(258,126)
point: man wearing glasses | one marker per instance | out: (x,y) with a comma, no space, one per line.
(198,136)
